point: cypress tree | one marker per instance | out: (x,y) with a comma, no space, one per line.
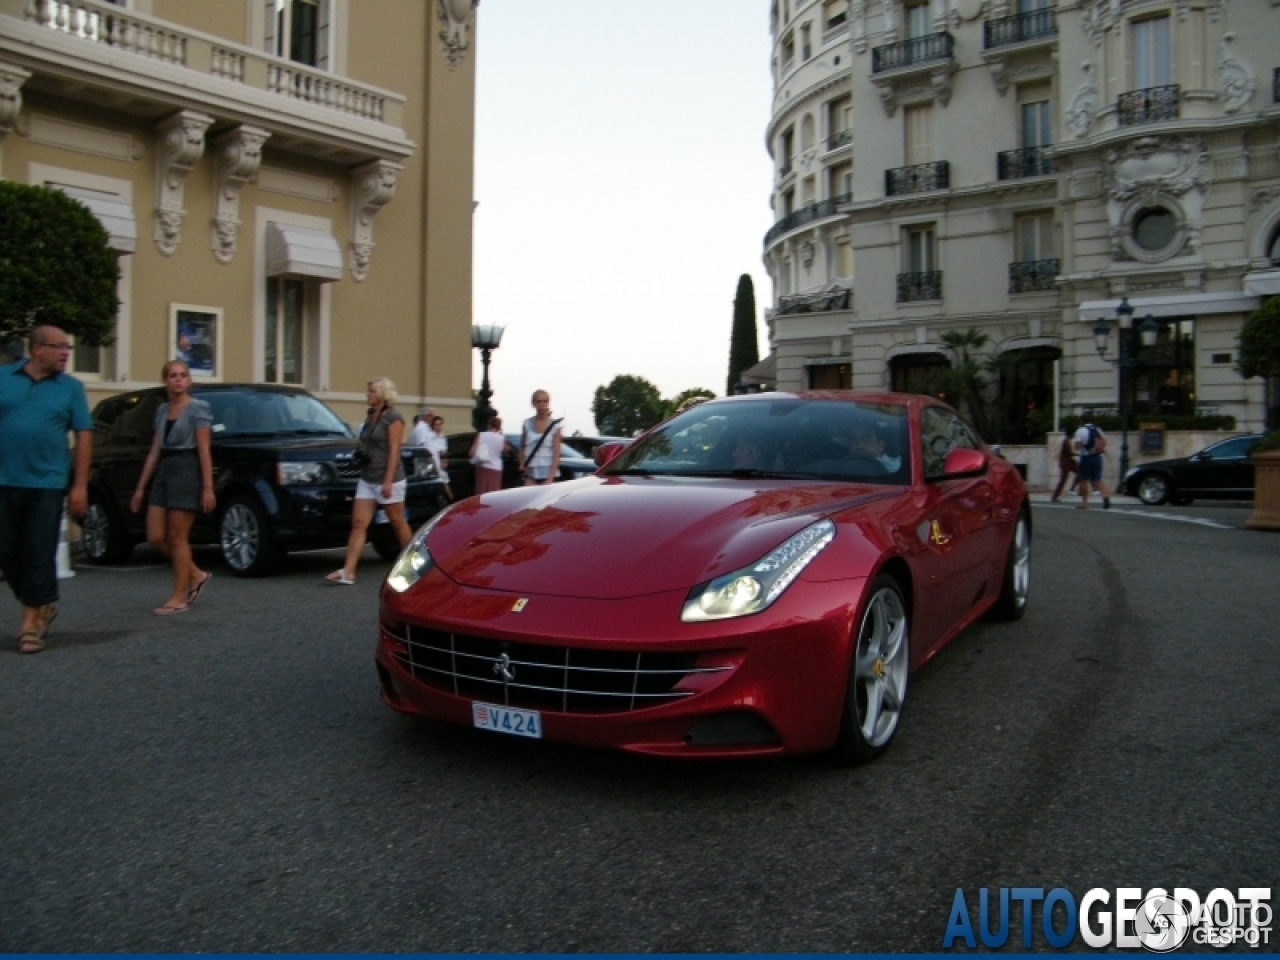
(743,351)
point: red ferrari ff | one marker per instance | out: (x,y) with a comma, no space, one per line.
(758,575)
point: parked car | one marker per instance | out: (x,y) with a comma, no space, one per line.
(757,576)
(587,446)
(282,473)
(462,478)
(1221,471)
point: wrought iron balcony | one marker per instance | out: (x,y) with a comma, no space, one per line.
(841,139)
(920,286)
(935,46)
(1034,25)
(785,171)
(1148,106)
(821,302)
(917,179)
(1027,162)
(1027,276)
(808,214)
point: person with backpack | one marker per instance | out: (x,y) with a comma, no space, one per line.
(1091,444)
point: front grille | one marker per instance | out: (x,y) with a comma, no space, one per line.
(556,678)
(346,470)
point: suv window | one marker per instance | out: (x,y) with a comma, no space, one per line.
(251,412)
(137,422)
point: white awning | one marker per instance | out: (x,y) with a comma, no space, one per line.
(299,252)
(1264,283)
(1186,305)
(1029,343)
(112,212)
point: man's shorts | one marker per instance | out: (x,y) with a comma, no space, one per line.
(373,491)
(1090,468)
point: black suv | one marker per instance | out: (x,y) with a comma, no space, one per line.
(282,473)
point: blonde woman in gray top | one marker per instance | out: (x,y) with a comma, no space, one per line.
(182,466)
(382,480)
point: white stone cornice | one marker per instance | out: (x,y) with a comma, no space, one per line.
(372,185)
(456,18)
(179,145)
(237,156)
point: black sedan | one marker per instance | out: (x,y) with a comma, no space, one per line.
(1221,471)
(462,481)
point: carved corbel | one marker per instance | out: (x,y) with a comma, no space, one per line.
(180,144)
(11,81)
(999,74)
(940,80)
(1084,105)
(238,154)
(1236,82)
(372,185)
(456,18)
(888,97)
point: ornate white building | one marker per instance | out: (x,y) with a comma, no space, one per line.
(958,164)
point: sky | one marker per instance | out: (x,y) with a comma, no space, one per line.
(623,187)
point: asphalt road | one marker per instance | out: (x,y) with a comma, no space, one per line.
(228,780)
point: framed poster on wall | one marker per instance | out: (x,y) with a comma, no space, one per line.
(195,336)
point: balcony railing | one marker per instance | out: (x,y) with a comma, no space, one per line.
(917,179)
(814,302)
(1034,25)
(841,139)
(785,171)
(1027,276)
(1027,162)
(920,286)
(808,214)
(1148,106)
(935,46)
(104,23)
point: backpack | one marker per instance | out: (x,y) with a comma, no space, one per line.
(1097,441)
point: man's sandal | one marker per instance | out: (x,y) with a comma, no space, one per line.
(48,613)
(30,642)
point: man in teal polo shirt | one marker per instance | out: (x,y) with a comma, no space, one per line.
(39,403)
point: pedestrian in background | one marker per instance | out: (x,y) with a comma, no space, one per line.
(421,432)
(182,466)
(39,403)
(439,446)
(486,456)
(1091,444)
(382,480)
(540,443)
(1066,463)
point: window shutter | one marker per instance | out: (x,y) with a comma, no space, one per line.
(324,35)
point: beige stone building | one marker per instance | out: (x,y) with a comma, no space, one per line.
(287,183)
(1019,168)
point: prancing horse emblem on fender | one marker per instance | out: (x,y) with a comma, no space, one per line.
(935,532)
(519,604)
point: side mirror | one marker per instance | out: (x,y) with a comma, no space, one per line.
(964,463)
(608,451)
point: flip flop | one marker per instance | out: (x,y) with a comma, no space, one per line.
(340,577)
(194,593)
(30,642)
(168,611)
(47,616)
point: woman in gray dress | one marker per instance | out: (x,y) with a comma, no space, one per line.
(181,464)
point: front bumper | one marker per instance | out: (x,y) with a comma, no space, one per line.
(769,684)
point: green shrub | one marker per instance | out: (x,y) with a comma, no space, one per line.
(1171,421)
(1269,443)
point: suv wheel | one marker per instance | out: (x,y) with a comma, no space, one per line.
(102,534)
(384,541)
(1153,489)
(248,545)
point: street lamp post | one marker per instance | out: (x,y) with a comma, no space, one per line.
(485,339)
(1126,359)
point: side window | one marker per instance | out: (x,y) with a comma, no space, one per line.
(137,423)
(105,416)
(1236,449)
(941,431)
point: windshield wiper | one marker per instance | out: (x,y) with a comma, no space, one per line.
(751,473)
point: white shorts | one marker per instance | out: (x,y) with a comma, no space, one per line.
(373,491)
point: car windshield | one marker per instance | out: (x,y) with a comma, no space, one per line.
(249,412)
(786,437)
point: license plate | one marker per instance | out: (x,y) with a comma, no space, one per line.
(519,723)
(380,517)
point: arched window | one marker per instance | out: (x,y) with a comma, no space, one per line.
(1274,250)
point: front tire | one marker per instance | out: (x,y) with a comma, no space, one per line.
(248,544)
(878,675)
(102,534)
(1153,489)
(385,543)
(1016,585)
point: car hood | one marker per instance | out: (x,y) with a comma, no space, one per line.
(613,537)
(287,443)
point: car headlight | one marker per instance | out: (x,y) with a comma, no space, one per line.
(415,560)
(422,468)
(754,587)
(302,471)
(1132,471)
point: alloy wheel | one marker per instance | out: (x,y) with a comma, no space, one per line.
(241,536)
(95,531)
(880,667)
(1020,560)
(1153,489)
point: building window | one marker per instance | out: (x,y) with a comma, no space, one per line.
(86,359)
(1274,252)
(1164,380)
(806,42)
(918,24)
(839,122)
(788,51)
(1154,229)
(918,129)
(835,13)
(830,376)
(844,258)
(1036,237)
(298,30)
(283,337)
(916,372)
(1025,405)
(786,150)
(840,180)
(1036,128)
(1152,59)
(919,250)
